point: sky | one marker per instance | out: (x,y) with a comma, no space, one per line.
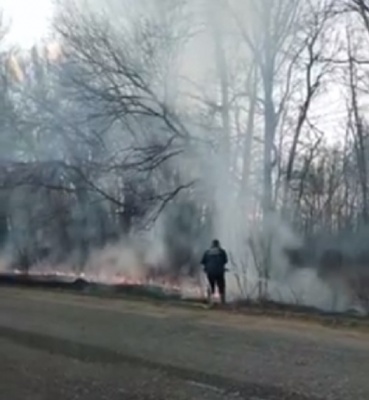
(28,20)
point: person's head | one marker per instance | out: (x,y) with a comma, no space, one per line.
(215,243)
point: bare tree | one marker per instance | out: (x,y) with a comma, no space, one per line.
(310,54)
(362,8)
(116,73)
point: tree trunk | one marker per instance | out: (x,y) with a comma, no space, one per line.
(248,141)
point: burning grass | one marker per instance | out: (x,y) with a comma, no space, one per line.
(158,285)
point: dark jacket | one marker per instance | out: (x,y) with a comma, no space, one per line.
(214,261)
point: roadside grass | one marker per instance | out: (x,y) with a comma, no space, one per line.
(159,296)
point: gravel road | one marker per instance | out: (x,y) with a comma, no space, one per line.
(61,346)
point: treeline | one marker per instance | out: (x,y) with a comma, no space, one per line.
(199,121)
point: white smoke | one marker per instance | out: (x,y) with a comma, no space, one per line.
(236,221)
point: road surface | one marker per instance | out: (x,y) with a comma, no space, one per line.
(62,346)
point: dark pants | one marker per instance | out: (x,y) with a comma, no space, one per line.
(217,281)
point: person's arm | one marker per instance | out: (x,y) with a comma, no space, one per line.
(203,260)
(225,257)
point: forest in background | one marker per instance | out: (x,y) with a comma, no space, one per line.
(158,125)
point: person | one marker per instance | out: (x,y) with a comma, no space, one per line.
(214,261)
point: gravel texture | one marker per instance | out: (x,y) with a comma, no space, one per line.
(39,375)
(62,346)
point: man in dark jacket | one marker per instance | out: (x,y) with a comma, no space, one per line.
(214,261)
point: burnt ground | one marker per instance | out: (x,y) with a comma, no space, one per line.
(64,346)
